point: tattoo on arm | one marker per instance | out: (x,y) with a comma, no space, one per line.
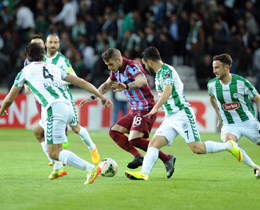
(132,85)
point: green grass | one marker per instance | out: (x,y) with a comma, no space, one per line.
(211,181)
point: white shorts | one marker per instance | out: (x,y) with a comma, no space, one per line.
(182,122)
(74,122)
(250,129)
(55,119)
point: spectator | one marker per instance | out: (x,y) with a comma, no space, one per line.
(68,15)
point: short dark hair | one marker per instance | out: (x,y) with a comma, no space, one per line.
(34,52)
(110,53)
(225,59)
(36,36)
(151,53)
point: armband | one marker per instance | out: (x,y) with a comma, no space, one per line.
(127,87)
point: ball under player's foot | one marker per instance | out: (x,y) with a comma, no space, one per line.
(55,174)
(51,164)
(95,156)
(235,151)
(136,175)
(92,175)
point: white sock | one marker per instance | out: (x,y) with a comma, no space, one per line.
(247,160)
(57,165)
(69,158)
(149,160)
(213,147)
(44,148)
(83,133)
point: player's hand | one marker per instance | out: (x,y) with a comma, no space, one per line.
(152,112)
(85,101)
(26,89)
(118,86)
(4,113)
(219,125)
(107,102)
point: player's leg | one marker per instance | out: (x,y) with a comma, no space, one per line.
(140,130)
(84,135)
(59,115)
(150,159)
(117,131)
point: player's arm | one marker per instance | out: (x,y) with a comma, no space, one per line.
(88,87)
(9,99)
(257,100)
(167,91)
(213,102)
(139,82)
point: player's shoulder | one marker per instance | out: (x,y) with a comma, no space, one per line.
(133,66)
(210,82)
(237,77)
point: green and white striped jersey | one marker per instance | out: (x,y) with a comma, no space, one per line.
(234,99)
(64,63)
(168,75)
(44,81)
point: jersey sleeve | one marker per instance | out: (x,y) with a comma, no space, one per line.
(112,76)
(19,79)
(135,70)
(250,89)
(168,77)
(63,74)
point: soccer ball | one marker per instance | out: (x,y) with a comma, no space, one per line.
(108,167)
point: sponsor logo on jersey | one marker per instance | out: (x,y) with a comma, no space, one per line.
(159,93)
(230,106)
(167,75)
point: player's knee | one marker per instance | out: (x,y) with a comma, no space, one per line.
(38,133)
(76,129)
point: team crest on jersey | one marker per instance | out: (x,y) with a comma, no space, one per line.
(235,95)
(231,106)
(167,75)
(136,69)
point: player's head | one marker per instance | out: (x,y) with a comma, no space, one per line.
(52,44)
(150,56)
(113,59)
(221,65)
(34,52)
(37,39)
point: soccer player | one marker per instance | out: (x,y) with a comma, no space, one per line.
(54,57)
(45,82)
(230,96)
(129,76)
(179,117)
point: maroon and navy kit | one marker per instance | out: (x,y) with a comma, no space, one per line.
(141,99)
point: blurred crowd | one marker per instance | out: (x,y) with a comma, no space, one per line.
(186,32)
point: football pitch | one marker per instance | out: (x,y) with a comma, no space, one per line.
(211,181)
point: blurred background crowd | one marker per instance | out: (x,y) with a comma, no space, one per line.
(188,33)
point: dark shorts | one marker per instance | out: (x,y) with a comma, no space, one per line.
(135,121)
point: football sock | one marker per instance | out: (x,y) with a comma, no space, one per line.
(213,147)
(122,141)
(57,165)
(69,158)
(83,133)
(143,143)
(44,148)
(149,160)
(247,160)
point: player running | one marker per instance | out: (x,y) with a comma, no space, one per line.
(45,82)
(129,76)
(179,117)
(230,96)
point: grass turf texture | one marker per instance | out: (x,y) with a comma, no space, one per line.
(211,181)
